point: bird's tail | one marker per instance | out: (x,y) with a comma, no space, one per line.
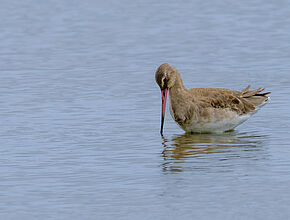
(255,96)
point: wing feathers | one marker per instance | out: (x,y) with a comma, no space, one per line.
(242,102)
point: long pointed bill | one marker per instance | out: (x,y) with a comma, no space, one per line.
(164,97)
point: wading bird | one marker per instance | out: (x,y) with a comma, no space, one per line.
(206,110)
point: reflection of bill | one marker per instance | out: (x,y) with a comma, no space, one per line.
(187,146)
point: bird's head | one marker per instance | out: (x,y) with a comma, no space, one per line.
(165,77)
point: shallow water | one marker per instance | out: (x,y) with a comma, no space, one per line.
(80,110)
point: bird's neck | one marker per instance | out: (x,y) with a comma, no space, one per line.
(177,90)
(181,103)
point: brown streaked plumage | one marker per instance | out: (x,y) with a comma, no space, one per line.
(205,110)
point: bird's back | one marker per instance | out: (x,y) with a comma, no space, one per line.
(243,102)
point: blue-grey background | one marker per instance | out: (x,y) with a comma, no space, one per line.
(80,110)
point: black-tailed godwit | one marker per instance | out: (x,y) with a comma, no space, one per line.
(206,110)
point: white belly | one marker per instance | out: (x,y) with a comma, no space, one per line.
(216,126)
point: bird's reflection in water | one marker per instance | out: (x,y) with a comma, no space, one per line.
(181,148)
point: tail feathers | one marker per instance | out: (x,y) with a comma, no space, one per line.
(246,93)
(263,94)
(255,97)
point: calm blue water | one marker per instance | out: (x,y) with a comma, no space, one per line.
(80,110)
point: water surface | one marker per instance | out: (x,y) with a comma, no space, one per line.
(80,111)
